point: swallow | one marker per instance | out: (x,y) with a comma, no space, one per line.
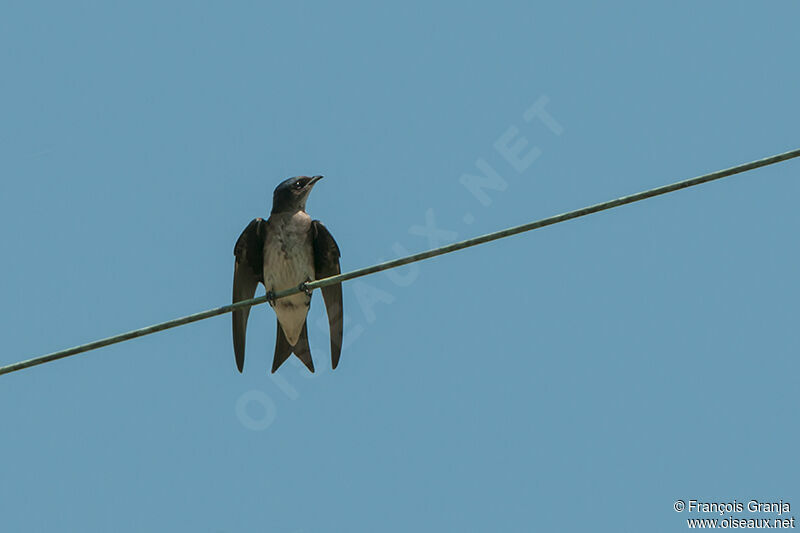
(287,250)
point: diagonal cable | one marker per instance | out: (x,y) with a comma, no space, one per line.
(549,221)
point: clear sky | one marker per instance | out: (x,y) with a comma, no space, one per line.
(582,377)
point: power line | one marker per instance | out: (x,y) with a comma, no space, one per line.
(691,182)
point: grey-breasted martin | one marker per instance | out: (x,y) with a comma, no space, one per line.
(287,250)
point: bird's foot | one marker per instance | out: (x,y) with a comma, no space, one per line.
(271,298)
(304,287)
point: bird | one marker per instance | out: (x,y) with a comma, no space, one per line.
(288,250)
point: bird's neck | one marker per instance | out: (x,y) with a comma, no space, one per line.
(287,210)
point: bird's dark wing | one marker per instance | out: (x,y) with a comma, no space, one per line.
(247,273)
(326,264)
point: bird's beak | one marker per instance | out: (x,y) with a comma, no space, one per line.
(314,179)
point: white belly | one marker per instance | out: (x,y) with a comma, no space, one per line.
(292,312)
(288,262)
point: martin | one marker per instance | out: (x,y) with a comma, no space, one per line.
(287,250)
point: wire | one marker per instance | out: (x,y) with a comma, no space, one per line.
(406,260)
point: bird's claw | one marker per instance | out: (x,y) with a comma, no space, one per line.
(271,298)
(304,288)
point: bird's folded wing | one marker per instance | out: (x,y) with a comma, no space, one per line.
(247,273)
(326,264)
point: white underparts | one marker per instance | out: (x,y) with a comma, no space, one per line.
(288,262)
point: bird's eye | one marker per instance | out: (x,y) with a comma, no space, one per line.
(298,185)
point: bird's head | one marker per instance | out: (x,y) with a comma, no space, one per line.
(291,194)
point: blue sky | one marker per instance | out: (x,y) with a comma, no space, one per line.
(579,378)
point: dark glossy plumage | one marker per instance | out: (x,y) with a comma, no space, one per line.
(247,274)
(326,263)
